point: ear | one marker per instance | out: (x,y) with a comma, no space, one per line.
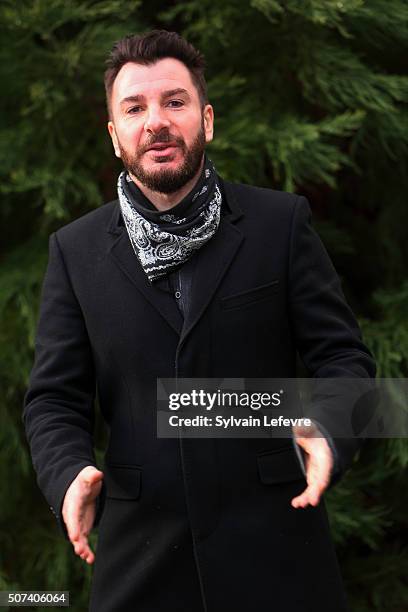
(112,132)
(208,117)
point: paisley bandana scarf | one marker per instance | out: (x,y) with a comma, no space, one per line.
(161,240)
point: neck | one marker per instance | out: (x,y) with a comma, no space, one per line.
(165,201)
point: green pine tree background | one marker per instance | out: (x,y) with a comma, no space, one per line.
(309,96)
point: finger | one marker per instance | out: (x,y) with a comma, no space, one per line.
(311,495)
(88,555)
(317,473)
(90,558)
(80,545)
(83,550)
(313,492)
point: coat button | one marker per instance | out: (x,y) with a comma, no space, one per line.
(178,294)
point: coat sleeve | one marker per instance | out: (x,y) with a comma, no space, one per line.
(58,410)
(326,332)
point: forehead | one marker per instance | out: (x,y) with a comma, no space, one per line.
(168,73)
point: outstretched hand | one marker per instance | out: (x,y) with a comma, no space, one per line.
(78,510)
(318,464)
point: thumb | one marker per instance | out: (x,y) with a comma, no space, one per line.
(92,476)
(302,442)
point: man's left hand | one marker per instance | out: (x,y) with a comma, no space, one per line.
(318,464)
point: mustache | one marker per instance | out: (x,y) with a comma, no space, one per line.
(163,137)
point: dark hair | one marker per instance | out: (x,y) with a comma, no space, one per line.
(150,47)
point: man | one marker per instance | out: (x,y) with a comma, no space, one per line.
(186,275)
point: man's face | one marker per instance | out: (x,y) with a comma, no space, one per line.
(158,106)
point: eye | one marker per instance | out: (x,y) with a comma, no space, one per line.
(177,102)
(133,109)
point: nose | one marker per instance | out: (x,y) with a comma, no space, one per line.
(156,120)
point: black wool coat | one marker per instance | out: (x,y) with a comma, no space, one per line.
(200,525)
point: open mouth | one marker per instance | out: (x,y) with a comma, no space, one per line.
(161,148)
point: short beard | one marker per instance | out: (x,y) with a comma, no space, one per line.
(168,180)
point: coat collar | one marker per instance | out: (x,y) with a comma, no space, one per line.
(115,225)
(213,260)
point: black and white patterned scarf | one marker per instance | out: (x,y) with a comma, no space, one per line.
(164,240)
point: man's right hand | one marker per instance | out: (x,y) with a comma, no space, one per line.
(78,509)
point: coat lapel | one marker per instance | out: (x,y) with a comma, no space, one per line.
(124,257)
(212,263)
(214,259)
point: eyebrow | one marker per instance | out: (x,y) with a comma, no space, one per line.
(165,94)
